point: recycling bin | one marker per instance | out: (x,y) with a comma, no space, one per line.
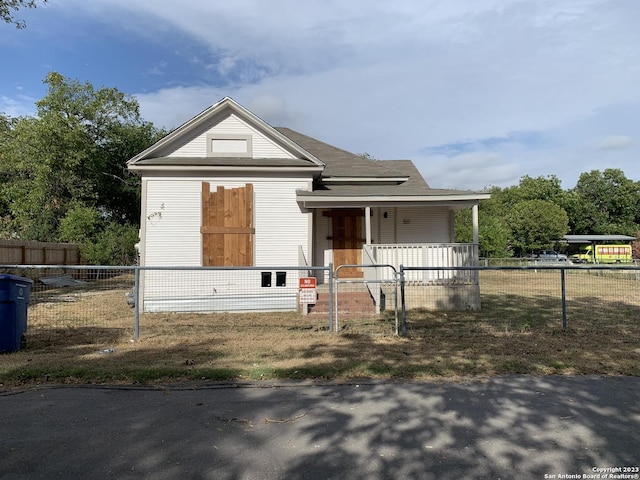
(14,300)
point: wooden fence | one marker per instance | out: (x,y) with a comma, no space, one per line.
(20,252)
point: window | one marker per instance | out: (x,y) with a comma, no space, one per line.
(229,145)
(227,226)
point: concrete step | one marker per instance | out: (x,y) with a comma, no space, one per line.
(348,302)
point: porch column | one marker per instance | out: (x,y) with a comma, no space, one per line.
(367,225)
(474,211)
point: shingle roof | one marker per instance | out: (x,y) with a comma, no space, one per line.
(339,163)
(342,173)
(414,186)
(343,164)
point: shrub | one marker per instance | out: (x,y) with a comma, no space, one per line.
(114,245)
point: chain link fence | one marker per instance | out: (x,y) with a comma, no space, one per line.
(72,305)
(529,299)
(78,305)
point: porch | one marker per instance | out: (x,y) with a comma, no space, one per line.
(431,278)
(378,239)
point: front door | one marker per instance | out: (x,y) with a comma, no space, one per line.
(346,235)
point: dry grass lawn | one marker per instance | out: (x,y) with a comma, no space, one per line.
(85,335)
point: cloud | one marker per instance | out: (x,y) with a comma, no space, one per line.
(477,92)
(273,108)
(615,142)
(18,106)
(532,140)
(184,102)
(469,169)
(157,69)
(468,69)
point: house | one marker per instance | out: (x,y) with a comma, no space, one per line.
(228,190)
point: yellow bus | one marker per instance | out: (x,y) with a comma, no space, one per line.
(604,254)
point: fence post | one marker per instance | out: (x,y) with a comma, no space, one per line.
(331,297)
(402,301)
(564,299)
(136,304)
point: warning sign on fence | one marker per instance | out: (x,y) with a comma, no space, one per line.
(308,292)
(307,282)
(308,296)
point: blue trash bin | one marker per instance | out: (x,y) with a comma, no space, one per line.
(14,300)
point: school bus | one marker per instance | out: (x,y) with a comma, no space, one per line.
(604,254)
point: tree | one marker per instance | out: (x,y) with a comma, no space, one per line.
(604,203)
(601,203)
(536,224)
(540,188)
(81,224)
(72,154)
(103,242)
(5,218)
(114,245)
(494,234)
(8,7)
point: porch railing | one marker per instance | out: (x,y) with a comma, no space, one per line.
(440,255)
(371,275)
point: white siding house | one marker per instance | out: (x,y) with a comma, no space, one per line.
(171,232)
(227,190)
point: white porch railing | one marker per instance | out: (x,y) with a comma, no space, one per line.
(443,255)
(372,275)
(302,258)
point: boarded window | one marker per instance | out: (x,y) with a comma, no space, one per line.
(227,226)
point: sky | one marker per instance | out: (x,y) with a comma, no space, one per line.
(478,93)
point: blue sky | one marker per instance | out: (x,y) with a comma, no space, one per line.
(475,92)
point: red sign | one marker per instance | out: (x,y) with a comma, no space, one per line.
(307,282)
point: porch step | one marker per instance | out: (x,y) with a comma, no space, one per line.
(354,302)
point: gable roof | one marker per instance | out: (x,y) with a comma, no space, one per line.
(341,177)
(156,154)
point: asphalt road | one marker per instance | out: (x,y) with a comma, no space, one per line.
(513,427)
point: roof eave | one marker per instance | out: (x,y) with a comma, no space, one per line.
(363,179)
(221,168)
(315,201)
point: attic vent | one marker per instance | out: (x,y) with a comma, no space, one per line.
(229,145)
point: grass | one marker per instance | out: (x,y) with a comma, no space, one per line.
(86,336)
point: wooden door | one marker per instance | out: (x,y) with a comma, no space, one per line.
(346,235)
(227,226)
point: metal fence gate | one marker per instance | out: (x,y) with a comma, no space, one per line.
(366,299)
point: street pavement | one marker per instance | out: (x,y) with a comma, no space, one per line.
(508,427)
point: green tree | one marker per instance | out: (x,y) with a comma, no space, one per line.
(72,154)
(9,7)
(536,224)
(494,234)
(540,188)
(604,203)
(81,224)
(601,203)
(5,217)
(114,245)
